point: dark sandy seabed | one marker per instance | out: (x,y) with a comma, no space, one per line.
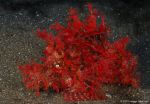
(18,44)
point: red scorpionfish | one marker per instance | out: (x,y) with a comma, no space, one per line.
(79,59)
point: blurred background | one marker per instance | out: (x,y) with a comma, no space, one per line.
(20,18)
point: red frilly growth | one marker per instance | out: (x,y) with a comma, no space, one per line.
(79,59)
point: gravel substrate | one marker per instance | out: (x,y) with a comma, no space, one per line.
(19,44)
